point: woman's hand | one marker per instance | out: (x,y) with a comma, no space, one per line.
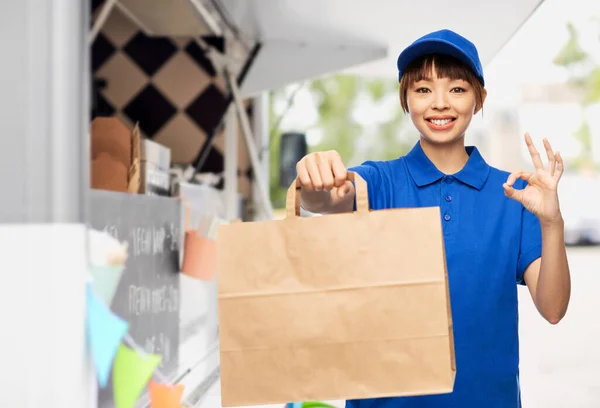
(322,172)
(322,177)
(540,196)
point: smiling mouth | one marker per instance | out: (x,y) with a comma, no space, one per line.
(440,122)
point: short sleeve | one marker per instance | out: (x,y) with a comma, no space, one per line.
(531,243)
(371,173)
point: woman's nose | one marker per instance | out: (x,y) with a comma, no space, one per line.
(440,101)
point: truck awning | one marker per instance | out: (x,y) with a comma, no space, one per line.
(303,39)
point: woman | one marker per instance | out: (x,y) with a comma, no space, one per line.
(500,229)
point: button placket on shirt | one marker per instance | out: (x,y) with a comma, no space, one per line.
(447,197)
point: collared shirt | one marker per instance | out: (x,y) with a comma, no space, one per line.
(489,240)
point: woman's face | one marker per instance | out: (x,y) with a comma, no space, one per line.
(441,108)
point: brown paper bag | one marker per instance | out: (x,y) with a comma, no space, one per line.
(344,306)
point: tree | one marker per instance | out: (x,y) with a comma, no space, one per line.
(584,78)
(571,53)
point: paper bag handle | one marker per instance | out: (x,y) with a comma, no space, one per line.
(292,206)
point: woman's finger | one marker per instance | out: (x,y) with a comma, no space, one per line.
(325,171)
(512,178)
(340,173)
(303,179)
(551,158)
(344,189)
(535,155)
(560,166)
(513,193)
(315,175)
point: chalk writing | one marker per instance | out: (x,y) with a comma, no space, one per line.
(159,344)
(143,300)
(174,235)
(148,240)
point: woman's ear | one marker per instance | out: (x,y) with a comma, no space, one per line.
(483,96)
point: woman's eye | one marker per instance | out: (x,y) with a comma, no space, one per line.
(458,89)
(422,90)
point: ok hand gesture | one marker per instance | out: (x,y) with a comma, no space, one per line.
(540,196)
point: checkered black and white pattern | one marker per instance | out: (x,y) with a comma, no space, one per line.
(168,85)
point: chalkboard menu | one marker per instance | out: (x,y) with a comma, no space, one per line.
(148,295)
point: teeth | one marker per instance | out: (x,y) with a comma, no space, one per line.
(440,122)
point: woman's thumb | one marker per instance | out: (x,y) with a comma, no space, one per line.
(345,189)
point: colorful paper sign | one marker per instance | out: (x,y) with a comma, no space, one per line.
(105,281)
(165,395)
(131,373)
(105,332)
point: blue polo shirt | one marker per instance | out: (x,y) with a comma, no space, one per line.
(490,240)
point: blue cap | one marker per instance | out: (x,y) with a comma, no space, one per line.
(444,42)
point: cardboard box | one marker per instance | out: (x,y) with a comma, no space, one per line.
(115,156)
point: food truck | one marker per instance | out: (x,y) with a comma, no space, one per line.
(140,119)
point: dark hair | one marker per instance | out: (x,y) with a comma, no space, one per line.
(445,67)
